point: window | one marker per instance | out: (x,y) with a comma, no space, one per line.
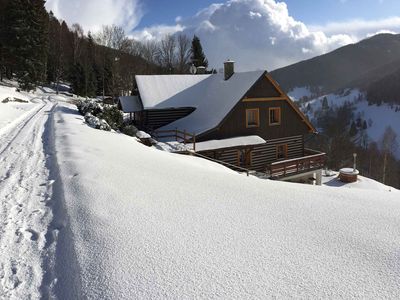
(281,151)
(275,116)
(244,158)
(252,117)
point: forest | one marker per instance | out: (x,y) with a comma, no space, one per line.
(36,48)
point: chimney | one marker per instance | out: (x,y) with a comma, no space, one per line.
(201,70)
(229,69)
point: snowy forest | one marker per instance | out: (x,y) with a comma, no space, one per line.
(37,48)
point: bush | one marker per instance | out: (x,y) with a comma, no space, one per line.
(97,123)
(113,116)
(129,130)
(89,106)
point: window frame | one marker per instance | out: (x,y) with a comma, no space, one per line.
(279,116)
(285,151)
(257,118)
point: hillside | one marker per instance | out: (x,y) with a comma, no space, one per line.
(354,66)
(89,214)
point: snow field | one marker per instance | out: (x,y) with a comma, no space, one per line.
(151,224)
(25,212)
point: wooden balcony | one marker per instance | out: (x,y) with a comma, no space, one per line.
(313,160)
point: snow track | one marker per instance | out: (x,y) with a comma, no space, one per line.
(25,205)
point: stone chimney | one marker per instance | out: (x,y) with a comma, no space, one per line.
(229,69)
(201,70)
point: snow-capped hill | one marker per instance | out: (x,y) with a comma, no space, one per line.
(378,117)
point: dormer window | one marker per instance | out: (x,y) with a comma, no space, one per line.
(252,118)
(274,116)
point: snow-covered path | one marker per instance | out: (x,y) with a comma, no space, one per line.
(25,211)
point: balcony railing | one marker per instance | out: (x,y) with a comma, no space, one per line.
(313,160)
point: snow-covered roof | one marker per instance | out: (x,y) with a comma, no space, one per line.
(232,142)
(156,89)
(130,104)
(206,93)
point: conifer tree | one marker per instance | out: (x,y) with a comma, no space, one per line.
(198,57)
(26,34)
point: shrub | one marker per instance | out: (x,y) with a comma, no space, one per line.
(89,106)
(129,130)
(113,116)
(97,123)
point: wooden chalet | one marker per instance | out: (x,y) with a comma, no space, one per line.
(243,120)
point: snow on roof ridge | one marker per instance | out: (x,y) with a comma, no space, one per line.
(230,142)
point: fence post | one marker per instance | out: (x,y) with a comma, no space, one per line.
(194,142)
(176,134)
(184,137)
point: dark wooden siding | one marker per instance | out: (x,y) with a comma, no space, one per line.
(156,118)
(263,88)
(235,123)
(266,153)
(262,155)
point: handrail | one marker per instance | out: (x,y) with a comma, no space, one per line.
(296,165)
(299,158)
(186,137)
(247,171)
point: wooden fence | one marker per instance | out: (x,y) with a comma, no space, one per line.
(178,135)
(295,166)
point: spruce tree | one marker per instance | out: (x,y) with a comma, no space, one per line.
(26,35)
(198,57)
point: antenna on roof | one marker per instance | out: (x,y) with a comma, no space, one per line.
(193,69)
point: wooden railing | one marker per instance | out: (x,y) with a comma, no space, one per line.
(296,166)
(178,135)
(230,166)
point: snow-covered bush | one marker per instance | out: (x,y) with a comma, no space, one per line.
(97,123)
(89,106)
(129,130)
(113,116)
(12,99)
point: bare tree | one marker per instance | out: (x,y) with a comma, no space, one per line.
(112,36)
(149,51)
(183,55)
(166,53)
(134,47)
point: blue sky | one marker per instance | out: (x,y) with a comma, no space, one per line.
(258,34)
(313,12)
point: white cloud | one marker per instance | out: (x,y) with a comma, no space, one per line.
(258,34)
(92,14)
(360,28)
(156,32)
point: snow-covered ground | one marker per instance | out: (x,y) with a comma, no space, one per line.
(364,183)
(97,215)
(379,117)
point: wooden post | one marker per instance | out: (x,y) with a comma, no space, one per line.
(194,142)
(176,134)
(184,137)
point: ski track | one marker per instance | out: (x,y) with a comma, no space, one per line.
(25,205)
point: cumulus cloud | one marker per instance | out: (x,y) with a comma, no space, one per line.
(261,34)
(92,14)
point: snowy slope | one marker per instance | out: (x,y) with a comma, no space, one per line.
(381,116)
(147,224)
